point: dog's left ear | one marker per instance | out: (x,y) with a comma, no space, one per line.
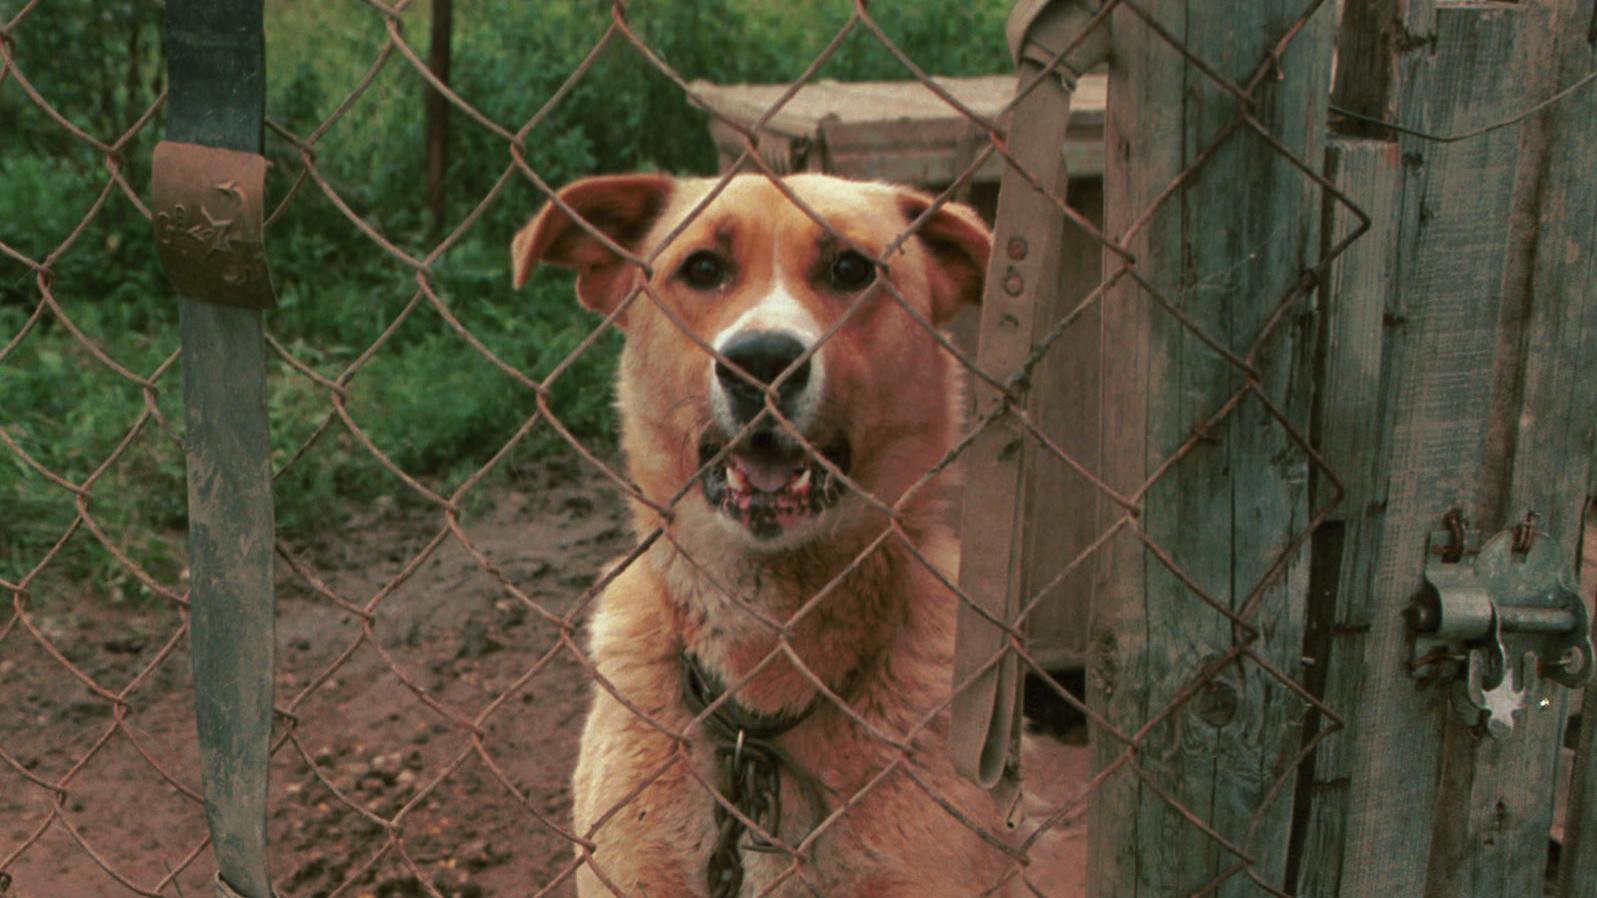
(960,244)
(621,207)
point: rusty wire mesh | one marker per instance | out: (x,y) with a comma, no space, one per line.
(105,736)
(305,748)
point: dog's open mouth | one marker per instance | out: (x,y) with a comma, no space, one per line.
(768,482)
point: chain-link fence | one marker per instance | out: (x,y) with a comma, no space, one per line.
(766,634)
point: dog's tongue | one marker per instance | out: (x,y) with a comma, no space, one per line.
(767,471)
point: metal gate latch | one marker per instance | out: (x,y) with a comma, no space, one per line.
(1499,616)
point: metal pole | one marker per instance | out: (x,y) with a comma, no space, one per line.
(209,182)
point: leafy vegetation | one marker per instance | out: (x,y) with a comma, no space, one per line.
(428,400)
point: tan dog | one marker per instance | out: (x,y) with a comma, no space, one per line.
(762,527)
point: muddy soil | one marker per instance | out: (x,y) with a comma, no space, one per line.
(459,709)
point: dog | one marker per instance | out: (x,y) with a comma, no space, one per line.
(785,638)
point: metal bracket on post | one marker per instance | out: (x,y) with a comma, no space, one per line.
(1496,617)
(209,217)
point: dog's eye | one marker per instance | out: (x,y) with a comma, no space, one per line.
(704,270)
(851,271)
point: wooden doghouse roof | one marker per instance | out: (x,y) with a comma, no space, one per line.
(892,130)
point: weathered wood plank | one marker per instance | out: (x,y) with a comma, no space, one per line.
(1437,372)
(1375,48)
(1578,862)
(892,130)
(1141,122)
(1355,306)
(1553,465)
(1225,249)
(1500,796)
(1355,314)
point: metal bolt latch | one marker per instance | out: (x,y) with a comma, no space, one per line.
(1498,616)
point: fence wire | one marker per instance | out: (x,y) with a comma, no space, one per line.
(404,830)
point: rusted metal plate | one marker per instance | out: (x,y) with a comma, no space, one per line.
(208,223)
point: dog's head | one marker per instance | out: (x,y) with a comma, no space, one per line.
(821,370)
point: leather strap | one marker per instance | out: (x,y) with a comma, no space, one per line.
(1024,269)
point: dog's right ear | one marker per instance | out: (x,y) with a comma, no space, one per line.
(621,207)
(960,244)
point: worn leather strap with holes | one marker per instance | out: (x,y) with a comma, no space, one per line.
(985,733)
(208,189)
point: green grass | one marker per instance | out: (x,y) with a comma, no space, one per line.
(428,400)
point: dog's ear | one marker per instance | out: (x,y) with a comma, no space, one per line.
(959,243)
(621,207)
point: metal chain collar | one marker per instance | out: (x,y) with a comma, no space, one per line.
(751,767)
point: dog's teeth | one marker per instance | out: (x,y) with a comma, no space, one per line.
(736,479)
(803,481)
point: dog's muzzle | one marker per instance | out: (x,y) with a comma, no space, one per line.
(764,356)
(768,480)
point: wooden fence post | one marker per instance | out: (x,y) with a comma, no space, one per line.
(438,60)
(1224,249)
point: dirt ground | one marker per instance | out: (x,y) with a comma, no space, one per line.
(131,817)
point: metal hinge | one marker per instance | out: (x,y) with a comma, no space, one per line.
(1496,617)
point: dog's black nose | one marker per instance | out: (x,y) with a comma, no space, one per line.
(763,355)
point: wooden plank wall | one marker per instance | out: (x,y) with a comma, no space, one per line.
(1451,234)
(1499,796)
(1447,232)
(1225,249)
(1481,262)
(1555,450)
(1358,307)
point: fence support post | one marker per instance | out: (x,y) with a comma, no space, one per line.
(1233,237)
(210,232)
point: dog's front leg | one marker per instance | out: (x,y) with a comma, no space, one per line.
(648,819)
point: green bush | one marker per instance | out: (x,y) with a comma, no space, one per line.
(427,399)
